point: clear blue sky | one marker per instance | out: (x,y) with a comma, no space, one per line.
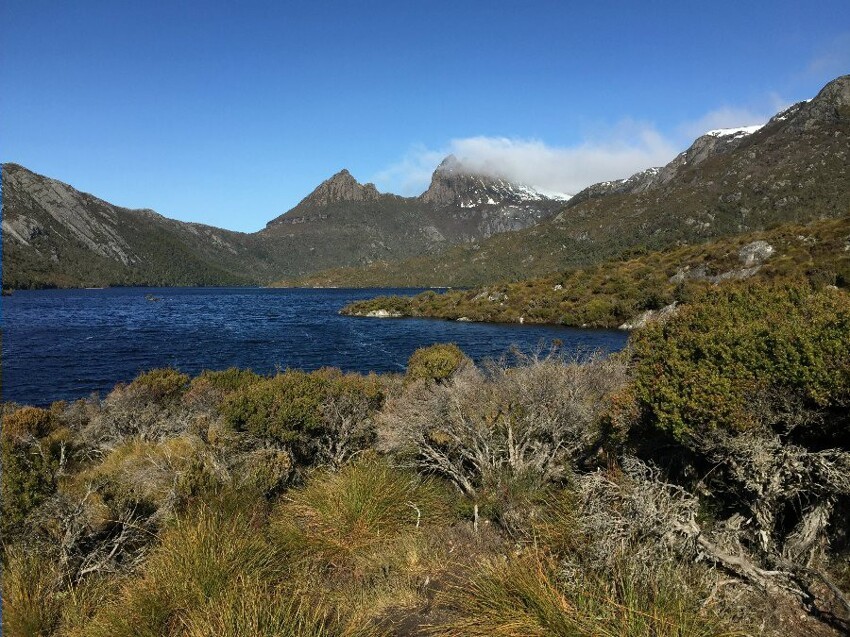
(230,112)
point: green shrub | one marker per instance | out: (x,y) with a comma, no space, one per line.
(31,450)
(740,345)
(159,384)
(321,416)
(212,387)
(266,471)
(436,362)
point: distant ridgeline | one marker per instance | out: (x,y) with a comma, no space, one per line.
(466,229)
(54,235)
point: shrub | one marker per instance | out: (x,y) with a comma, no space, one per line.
(743,344)
(27,423)
(159,384)
(436,362)
(150,474)
(228,380)
(210,388)
(31,450)
(532,423)
(266,471)
(323,416)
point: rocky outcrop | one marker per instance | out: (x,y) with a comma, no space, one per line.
(91,222)
(650,316)
(755,253)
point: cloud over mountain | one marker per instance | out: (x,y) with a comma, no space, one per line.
(563,169)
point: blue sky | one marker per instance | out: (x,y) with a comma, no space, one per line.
(229,113)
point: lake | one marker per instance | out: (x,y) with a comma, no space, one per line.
(66,344)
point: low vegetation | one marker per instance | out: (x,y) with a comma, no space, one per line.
(618,291)
(697,484)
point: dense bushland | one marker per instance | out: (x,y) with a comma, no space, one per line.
(696,484)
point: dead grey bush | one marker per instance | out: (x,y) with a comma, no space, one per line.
(790,491)
(642,515)
(538,419)
(121,416)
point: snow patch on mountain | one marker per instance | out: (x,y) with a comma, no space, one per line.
(740,131)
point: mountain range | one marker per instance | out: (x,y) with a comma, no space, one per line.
(57,236)
(465,229)
(795,168)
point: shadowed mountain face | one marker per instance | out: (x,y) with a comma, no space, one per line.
(465,229)
(795,168)
(54,235)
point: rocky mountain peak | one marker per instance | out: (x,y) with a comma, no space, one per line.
(450,164)
(829,106)
(836,93)
(455,184)
(341,187)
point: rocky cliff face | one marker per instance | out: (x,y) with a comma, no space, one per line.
(56,206)
(55,235)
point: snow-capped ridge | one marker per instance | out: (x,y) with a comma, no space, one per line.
(739,131)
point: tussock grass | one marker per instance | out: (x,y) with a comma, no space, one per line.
(343,520)
(253,609)
(525,596)
(31,583)
(198,561)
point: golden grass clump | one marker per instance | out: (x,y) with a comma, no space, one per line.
(342,520)
(526,596)
(197,564)
(31,583)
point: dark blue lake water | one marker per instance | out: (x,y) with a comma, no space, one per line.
(66,344)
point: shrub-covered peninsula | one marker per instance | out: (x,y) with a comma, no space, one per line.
(627,291)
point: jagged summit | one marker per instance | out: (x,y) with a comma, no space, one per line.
(341,187)
(455,184)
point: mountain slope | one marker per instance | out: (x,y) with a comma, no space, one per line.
(793,169)
(54,235)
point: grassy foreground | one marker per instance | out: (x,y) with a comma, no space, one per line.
(698,484)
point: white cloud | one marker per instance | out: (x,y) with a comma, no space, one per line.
(528,161)
(411,174)
(626,148)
